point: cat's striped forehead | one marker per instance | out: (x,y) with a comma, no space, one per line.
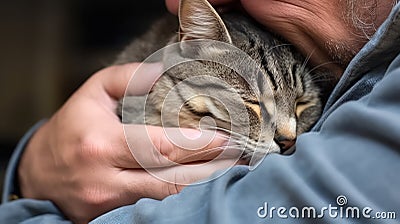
(281,63)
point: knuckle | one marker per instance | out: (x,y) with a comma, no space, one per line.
(177,185)
(90,148)
(172,188)
(171,185)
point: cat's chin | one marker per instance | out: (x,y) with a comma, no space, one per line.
(257,154)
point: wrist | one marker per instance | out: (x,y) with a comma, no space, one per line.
(11,189)
(27,163)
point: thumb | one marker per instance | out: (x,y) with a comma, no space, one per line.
(115,79)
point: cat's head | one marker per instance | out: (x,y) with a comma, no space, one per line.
(292,106)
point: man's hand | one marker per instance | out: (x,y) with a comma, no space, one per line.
(303,24)
(81,161)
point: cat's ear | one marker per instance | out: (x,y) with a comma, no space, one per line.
(199,20)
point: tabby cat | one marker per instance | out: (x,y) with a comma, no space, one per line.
(284,96)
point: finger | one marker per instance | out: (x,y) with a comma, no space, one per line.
(190,145)
(162,182)
(183,175)
(173,5)
(115,79)
(153,146)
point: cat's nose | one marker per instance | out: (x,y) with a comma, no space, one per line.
(286,144)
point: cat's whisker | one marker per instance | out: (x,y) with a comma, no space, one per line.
(324,78)
(231,135)
(225,130)
(276,46)
(321,65)
(234,146)
(317,80)
(228,147)
(306,60)
(234,142)
(205,153)
(224,137)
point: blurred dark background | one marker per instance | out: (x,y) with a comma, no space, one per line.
(49,48)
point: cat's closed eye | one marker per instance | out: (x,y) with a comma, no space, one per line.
(255,106)
(301,105)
